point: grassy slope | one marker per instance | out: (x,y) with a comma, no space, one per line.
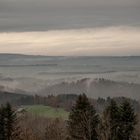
(46,111)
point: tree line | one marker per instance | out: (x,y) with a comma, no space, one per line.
(117,122)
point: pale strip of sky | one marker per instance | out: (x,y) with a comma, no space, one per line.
(93,41)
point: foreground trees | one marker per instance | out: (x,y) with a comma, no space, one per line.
(55,130)
(2,123)
(119,121)
(83,120)
(9,129)
(127,121)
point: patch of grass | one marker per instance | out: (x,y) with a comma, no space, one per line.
(46,111)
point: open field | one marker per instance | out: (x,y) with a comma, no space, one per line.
(46,111)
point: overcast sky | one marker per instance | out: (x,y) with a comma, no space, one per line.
(70,27)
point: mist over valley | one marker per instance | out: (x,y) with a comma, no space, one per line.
(95,76)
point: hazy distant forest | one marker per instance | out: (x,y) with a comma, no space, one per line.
(88,119)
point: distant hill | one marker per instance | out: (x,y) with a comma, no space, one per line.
(24,60)
(7,56)
(18,55)
(95,88)
(7,59)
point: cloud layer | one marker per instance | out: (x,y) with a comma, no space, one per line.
(95,41)
(43,15)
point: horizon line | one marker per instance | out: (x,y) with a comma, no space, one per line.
(41,55)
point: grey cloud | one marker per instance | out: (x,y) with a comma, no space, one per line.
(34,15)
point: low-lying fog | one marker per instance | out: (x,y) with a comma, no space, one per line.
(58,75)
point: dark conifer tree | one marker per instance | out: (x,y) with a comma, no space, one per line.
(9,129)
(2,123)
(9,121)
(121,120)
(113,119)
(83,120)
(127,120)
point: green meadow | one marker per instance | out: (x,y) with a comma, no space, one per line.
(46,111)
